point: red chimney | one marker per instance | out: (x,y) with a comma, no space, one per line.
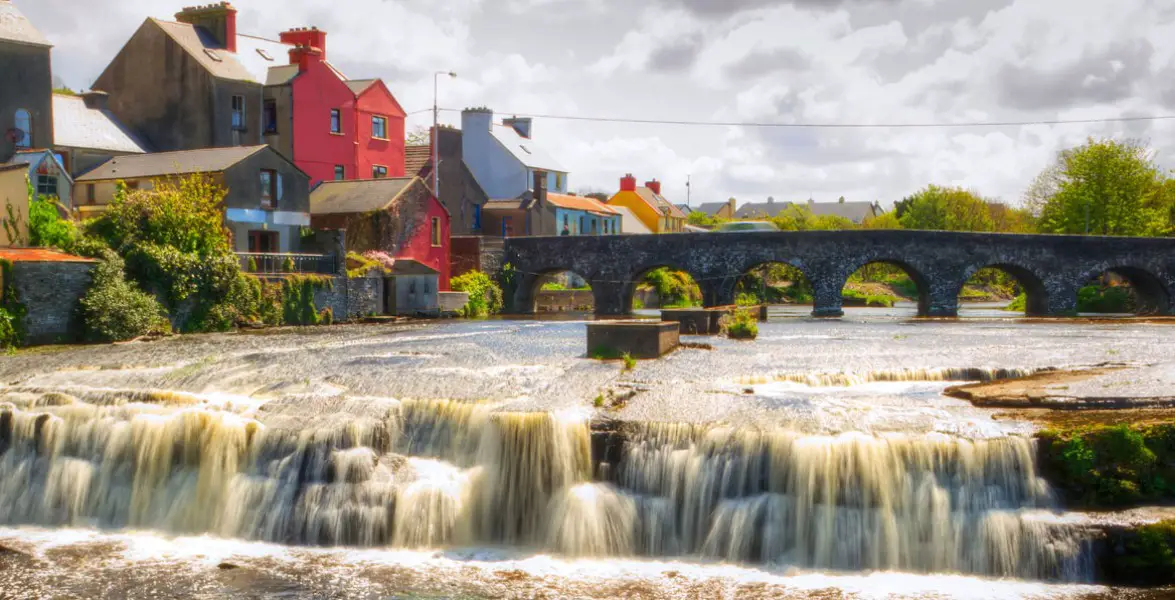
(628,183)
(219,19)
(654,185)
(305,36)
(303,56)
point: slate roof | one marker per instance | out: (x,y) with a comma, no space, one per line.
(358,86)
(685,208)
(358,196)
(77,126)
(853,211)
(183,162)
(15,27)
(710,208)
(281,75)
(416,158)
(514,204)
(582,203)
(408,266)
(525,150)
(629,222)
(658,202)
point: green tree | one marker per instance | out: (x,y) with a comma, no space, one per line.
(701,219)
(887,220)
(1102,187)
(946,209)
(1009,219)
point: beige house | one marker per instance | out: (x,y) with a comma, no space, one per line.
(14,205)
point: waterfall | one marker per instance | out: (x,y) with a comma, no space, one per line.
(429,474)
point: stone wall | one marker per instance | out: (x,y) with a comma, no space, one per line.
(476,253)
(564,300)
(50,292)
(365,296)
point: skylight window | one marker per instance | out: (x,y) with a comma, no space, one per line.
(264,55)
(213,55)
(525,149)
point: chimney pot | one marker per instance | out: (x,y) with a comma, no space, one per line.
(654,185)
(220,20)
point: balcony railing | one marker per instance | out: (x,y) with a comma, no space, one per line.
(267,263)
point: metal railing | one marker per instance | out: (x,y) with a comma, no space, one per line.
(274,262)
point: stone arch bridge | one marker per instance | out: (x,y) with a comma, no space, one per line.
(1051,268)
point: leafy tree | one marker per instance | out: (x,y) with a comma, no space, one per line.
(1103,187)
(887,220)
(1009,219)
(485,295)
(115,309)
(946,209)
(419,136)
(47,228)
(798,217)
(701,219)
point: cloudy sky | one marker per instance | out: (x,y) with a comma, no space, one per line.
(797,61)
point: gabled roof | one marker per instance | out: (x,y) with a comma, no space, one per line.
(659,203)
(257,59)
(582,203)
(630,223)
(416,158)
(408,266)
(15,27)
(32,159)
(761,209)
(358,196)
(710,208)
(684,208)
(281,75)
(183,162)
(76,125)
(525,150)
(358,86)
(856,212)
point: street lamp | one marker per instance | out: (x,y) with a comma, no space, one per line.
(436,112)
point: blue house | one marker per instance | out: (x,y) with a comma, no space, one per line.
(504,157)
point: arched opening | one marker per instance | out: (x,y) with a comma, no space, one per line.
(664,287)
(1003,289)
(891,285)
(1124,291)
(562,291)
(24,127)
(776,284)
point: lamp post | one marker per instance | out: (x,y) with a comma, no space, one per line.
(436,112)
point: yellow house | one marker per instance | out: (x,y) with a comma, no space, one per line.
(14,205)
(647,203)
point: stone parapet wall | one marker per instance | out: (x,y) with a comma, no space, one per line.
(51,293)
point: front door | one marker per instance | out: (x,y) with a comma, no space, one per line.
(263,241)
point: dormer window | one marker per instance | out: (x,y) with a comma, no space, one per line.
(213,55)
(525,149)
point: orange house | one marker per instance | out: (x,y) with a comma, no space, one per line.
(647,203)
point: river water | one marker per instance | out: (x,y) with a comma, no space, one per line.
(458,460)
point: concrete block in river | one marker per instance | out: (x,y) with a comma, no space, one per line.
(638,339)
(694,321)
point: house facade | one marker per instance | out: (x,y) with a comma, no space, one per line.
(399,216)
(267,201)
(718,210)
(47,174)
(14,206)
(857,212)
(462,196)
(505,157)
(26,85)
(646,202)
(87,135)
(198,83)
(579,215)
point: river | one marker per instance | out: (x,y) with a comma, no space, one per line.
(457,459)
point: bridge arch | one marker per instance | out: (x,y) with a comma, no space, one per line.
(528,284)
(918,275)
(755,275)
(1036,292)
(1150,294)
(637,276)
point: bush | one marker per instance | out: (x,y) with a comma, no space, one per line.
(1110,467)
(12,312)
(676,289)
(854,297)
(47,228)
(1110,299)
(1149,556)
(114,309)
(485,296)
(741,325)
(298,306)
(1018,304)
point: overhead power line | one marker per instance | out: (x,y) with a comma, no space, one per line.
(816,125)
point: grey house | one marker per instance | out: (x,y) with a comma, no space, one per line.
(856,212)
(267,204)
(411,288)
(26,85)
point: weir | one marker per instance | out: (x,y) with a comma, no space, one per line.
(434,474)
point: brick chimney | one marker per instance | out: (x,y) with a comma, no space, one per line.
(305,36)
(628,183)
(520,124)
(304,56)
(219,19)
(654,185)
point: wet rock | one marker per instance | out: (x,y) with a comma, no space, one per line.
(10,551)
(227,566)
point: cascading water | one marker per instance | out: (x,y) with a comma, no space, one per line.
(426,474)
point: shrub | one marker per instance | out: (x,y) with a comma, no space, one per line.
(1148,557)
(12,312)
(1111,299)
(114,309)
(47,228)
(745,299)
(252,265)
(1018,304)
(485,296)
(676,289)
(860,298)
(1109,467)
(741,325)
(298,306)
(629,361)
(287,265)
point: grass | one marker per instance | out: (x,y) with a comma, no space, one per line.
(629,361)
(599,401)
(610,353)
(855,297)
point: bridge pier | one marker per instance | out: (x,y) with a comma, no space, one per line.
(827,301)
(718,292)
(611,299)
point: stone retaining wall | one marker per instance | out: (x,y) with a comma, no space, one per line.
(51,293)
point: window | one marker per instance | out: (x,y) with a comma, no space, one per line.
(379,128)
(336,121)
(559,181)
(264,55)
(340,172)
(270,116)
(268,188)
(91,197)
(477,216)
(582,228)
(46,185)
(132,184)
(379,172)
(263,241)
(210,53)
(239,113)
(436,232)
(24,124)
